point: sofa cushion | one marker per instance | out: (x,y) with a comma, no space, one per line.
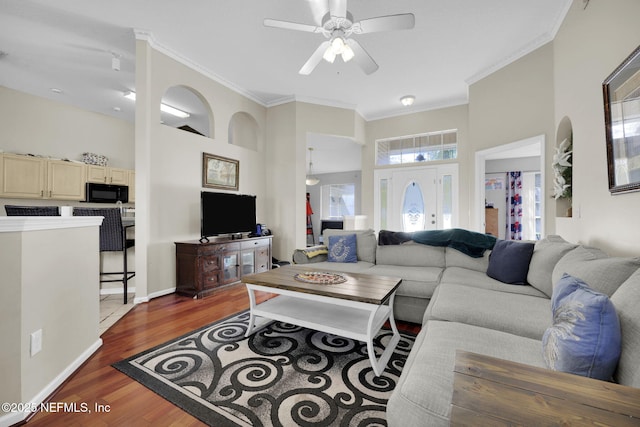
(342,248)
(366,243)
(546,255)
(627,303)
(422,396)
(455,258)
(518,314)
(410,254)
(418,282)
(585,336)
(509,261)
(463,276)
(601,272)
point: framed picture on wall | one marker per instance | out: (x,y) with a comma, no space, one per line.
(220,172)
(621,92)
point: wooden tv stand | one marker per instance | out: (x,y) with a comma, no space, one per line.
(204,268)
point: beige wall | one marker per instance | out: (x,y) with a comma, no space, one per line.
(513,104)
(40,126)
(590,44)
(52,287)
(173,168)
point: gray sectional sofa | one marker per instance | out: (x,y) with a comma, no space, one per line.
(461,308)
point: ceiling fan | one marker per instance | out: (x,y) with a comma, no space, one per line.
(338,27)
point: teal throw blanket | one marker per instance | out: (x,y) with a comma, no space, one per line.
(469,242)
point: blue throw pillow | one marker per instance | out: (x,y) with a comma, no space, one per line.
(585,338)
(342,248)
(509,261)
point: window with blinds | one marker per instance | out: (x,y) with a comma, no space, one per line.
(426,147)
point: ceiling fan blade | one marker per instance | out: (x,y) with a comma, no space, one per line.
(338,8)
(362,57)
(291,25)
(315,59)
(404,21)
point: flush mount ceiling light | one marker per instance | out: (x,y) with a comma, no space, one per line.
(163,107)
(311,180)
(407,100)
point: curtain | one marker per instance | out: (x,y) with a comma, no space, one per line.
(514,206)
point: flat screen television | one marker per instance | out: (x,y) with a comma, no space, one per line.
(226,213)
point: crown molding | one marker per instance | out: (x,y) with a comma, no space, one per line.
(148,37)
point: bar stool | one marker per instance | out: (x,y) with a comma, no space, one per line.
(112,239)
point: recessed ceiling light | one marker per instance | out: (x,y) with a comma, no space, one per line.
(407,100)
(118,109)
(56,90)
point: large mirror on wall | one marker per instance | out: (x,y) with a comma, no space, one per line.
(621,93)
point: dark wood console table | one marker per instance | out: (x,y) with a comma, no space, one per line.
(495,392)
(204,268)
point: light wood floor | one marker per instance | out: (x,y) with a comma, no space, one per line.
(146,325)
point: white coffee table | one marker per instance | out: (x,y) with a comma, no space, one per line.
(356,309)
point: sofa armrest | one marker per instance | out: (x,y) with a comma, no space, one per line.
(310,255)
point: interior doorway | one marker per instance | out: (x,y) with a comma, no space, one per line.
(509,153)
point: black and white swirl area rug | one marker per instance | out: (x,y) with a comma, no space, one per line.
(283,375)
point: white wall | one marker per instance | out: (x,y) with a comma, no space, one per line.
(590,44)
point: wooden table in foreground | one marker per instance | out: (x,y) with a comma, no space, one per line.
(495,392)
(356,309)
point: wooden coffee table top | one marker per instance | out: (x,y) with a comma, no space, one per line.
(358,287)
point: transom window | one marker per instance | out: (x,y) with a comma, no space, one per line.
(425,147)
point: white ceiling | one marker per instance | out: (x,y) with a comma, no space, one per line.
(69,45)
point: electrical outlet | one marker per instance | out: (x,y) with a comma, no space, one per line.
(36,342)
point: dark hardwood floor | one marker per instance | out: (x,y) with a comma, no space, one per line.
(146,325)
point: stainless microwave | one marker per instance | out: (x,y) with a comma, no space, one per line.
(106,193)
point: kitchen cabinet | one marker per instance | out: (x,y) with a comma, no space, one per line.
(203,268)
(107,175)
(65,180)
(28,177)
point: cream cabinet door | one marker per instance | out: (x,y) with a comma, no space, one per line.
(65,180)
(107,175)
(118,176)
(23,177)
(96,174)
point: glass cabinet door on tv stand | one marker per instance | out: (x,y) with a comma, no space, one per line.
(248,262)
(230,267)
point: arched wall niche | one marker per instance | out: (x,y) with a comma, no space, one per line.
(200,120)
(244,131)
(565,131)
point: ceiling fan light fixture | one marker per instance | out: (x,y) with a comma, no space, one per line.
(407,100)
(329,55)
(347,53)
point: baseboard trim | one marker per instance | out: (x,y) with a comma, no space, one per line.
(17,417)
(153,295)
